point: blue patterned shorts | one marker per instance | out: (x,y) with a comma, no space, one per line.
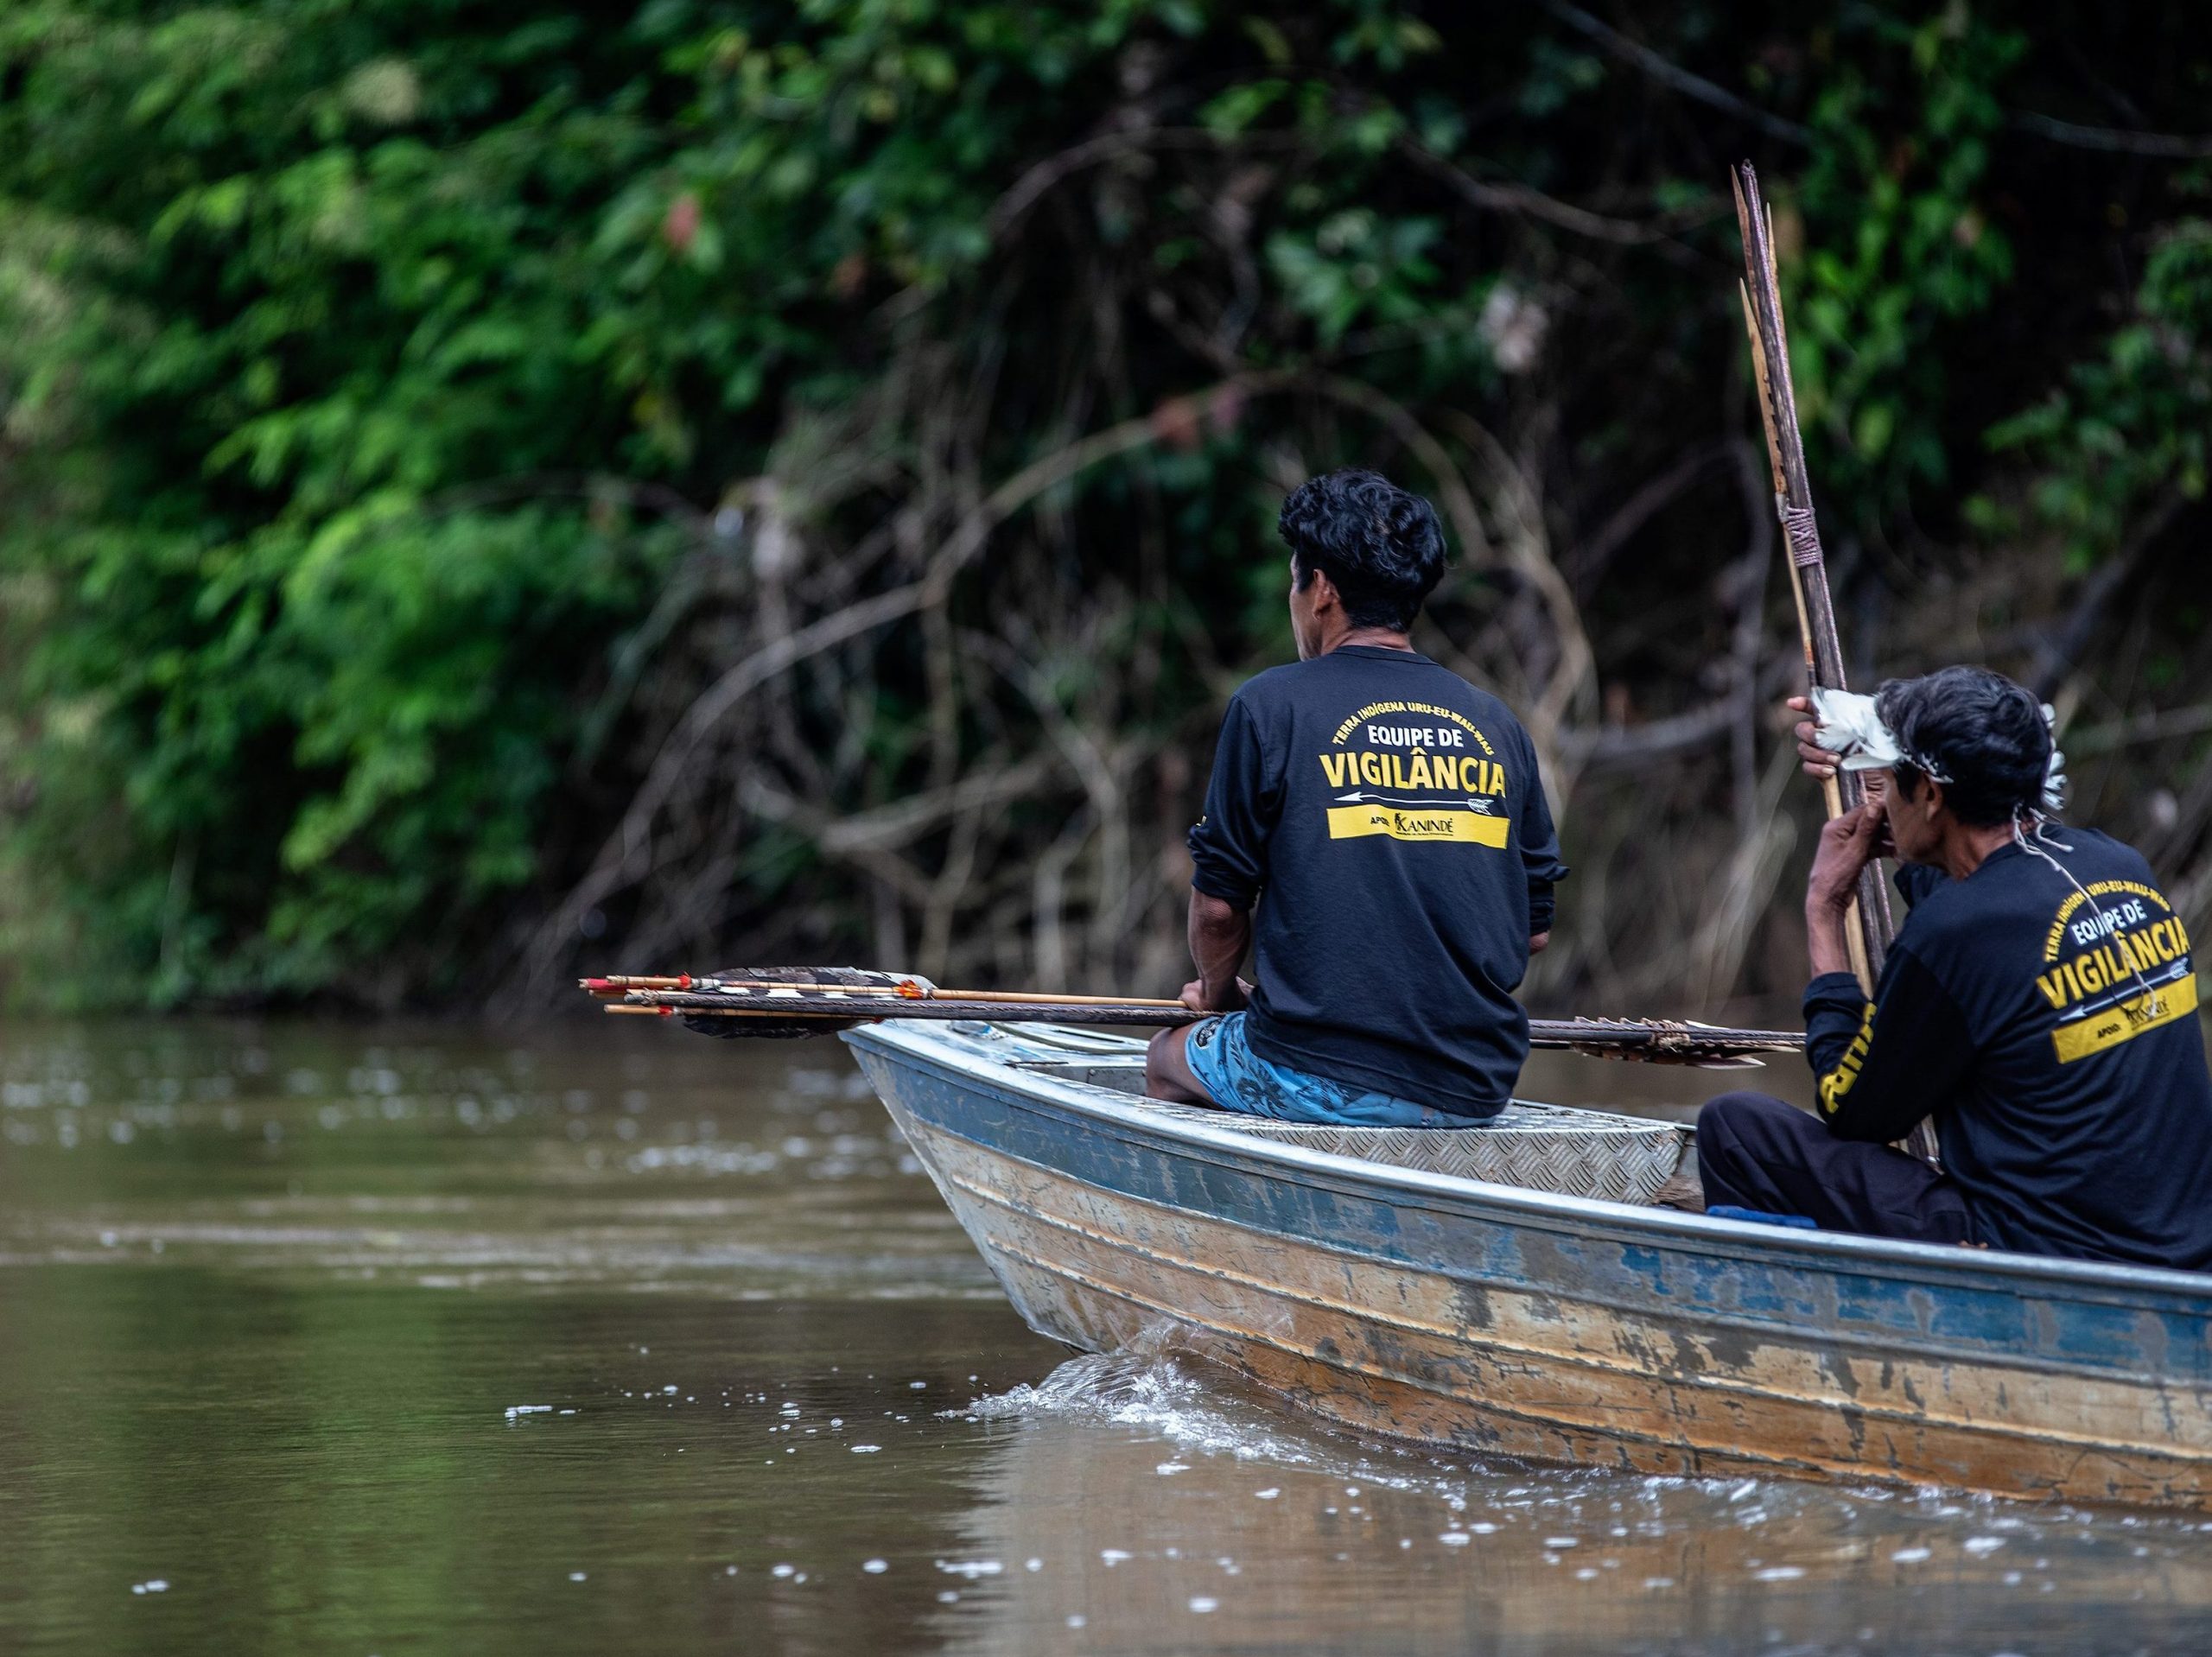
(1238,1079)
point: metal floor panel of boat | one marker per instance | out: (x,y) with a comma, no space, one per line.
(1537,1146)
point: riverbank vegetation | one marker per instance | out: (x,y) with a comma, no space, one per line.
(494,490)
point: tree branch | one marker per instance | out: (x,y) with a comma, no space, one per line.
(1519,199)
(1673,75)
(626,856)
(2163,146)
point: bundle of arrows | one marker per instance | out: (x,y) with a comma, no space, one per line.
(786,1002)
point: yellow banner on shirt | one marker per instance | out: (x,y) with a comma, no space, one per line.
(1416,822)
(2125,1021)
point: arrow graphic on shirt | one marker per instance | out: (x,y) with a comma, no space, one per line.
(1358,796)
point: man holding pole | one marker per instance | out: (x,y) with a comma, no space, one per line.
(2039,1004)
(1376,830)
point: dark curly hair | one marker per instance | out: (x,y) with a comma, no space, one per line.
(1983,732)
(1380,546)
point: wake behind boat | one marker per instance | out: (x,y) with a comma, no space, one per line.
(1501,1289)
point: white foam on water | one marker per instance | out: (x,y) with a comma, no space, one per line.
(971,1569)
(1158,1396)
(1149,1396)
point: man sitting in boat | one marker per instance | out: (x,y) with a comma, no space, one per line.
(2039,1003)
(1376,830)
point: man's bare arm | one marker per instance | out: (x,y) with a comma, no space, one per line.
(1847,844)
(1219,933)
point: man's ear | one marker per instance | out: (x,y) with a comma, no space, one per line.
(1321,592)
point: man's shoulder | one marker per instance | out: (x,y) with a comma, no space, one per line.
(1422,680)
(1954,924)
(1492,712)
(1272,684)
(1290,682)
(1264,704)
(1950,926)
(1935,908)
(2106,853)
(1491,707)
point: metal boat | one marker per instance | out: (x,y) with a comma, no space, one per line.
(1432,1291)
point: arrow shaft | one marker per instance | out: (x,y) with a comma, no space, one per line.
(1624,1038)
(1463,804)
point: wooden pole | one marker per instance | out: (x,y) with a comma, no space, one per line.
(1603,1038)
(908,989)
(1869,927)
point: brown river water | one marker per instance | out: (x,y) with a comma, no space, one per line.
(383,1339)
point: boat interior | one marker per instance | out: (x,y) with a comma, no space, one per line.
(1532,1144)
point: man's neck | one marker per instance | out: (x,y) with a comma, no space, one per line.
(1380,637)
(1967,849)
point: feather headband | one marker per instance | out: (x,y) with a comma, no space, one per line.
(1849,727)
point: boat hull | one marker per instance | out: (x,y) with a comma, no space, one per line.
(1514,1322)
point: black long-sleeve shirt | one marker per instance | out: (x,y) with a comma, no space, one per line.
(2055,1041)
(1386,817)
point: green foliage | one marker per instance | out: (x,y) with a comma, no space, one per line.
(2124,440)
(379,379)
(301,297)
(1901,243)
(1356,268)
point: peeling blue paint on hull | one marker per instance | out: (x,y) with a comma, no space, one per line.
(1518,1322)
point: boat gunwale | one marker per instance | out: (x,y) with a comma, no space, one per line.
(1618,1221)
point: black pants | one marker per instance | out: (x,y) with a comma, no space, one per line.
(1757,1152)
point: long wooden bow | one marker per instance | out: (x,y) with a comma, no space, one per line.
(1871,926)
